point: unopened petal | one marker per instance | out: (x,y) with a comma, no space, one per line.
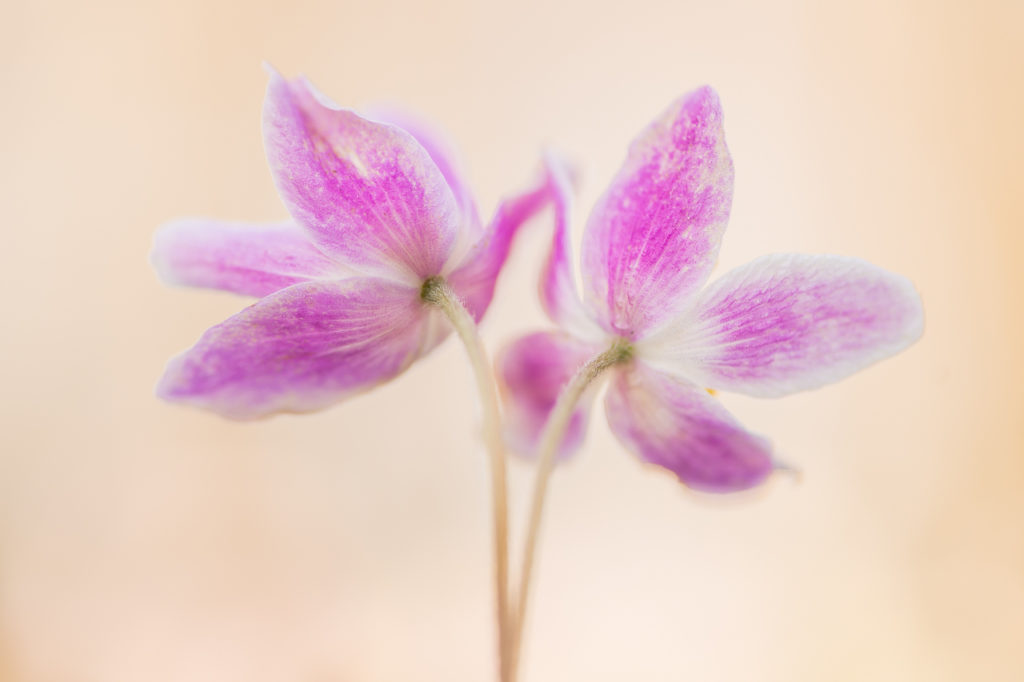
(368,192)
(247,259)
(653,238)
(790,322)
(532,372)
(678,426)
(303,348)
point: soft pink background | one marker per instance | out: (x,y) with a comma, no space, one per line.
(140,541)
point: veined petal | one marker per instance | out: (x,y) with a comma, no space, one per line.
(654,235)
(368,193)
(532,372)
(247,259)
(558,294)
(443,155)
(303,348)
(475,276)
(678,426)
(790,322)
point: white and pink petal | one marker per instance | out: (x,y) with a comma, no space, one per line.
(654,236)
(475,277)
(790,322)
(247,259)
(532,371)
(443,154)
(368,193)
(676,425)
(558,294)
(303,348)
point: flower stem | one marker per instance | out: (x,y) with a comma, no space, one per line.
(438,292)
(551,438)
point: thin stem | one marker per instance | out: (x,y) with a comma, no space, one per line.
(436,291)
(551,438)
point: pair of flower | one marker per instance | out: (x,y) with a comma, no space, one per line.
(380,210)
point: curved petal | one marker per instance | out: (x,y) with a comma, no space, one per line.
(475,276)
(654,235)
(558,294)
(247,259)
(678,426)
(368,193)
(532,372)
(302,349)
(791,322)
(443,155)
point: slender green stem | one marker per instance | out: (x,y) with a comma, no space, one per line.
(551,438)
(436,291)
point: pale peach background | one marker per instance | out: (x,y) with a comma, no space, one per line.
(140,541)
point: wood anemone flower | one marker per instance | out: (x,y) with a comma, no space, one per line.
(780,324)
(379,214)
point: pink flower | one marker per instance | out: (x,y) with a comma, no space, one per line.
(378,210)
(781,324)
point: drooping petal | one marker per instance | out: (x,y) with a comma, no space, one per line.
(790,322)
(532,372)
(558,294)
(368,192)
(475,277)
(303,348)
(247,259)
(654,235)
(678,426)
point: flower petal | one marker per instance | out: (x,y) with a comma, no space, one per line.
(443,155)
(678,426)
(558,294)
(368,192)
(790,322)
(475,276)
(247,259)
(532,372)
(654,235)
(303,348)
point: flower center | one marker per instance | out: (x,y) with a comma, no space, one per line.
(431,291)
(621,351)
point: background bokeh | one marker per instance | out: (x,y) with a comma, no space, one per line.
(142,541)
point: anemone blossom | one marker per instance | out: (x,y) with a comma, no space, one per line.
(379,212)
(780,324)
